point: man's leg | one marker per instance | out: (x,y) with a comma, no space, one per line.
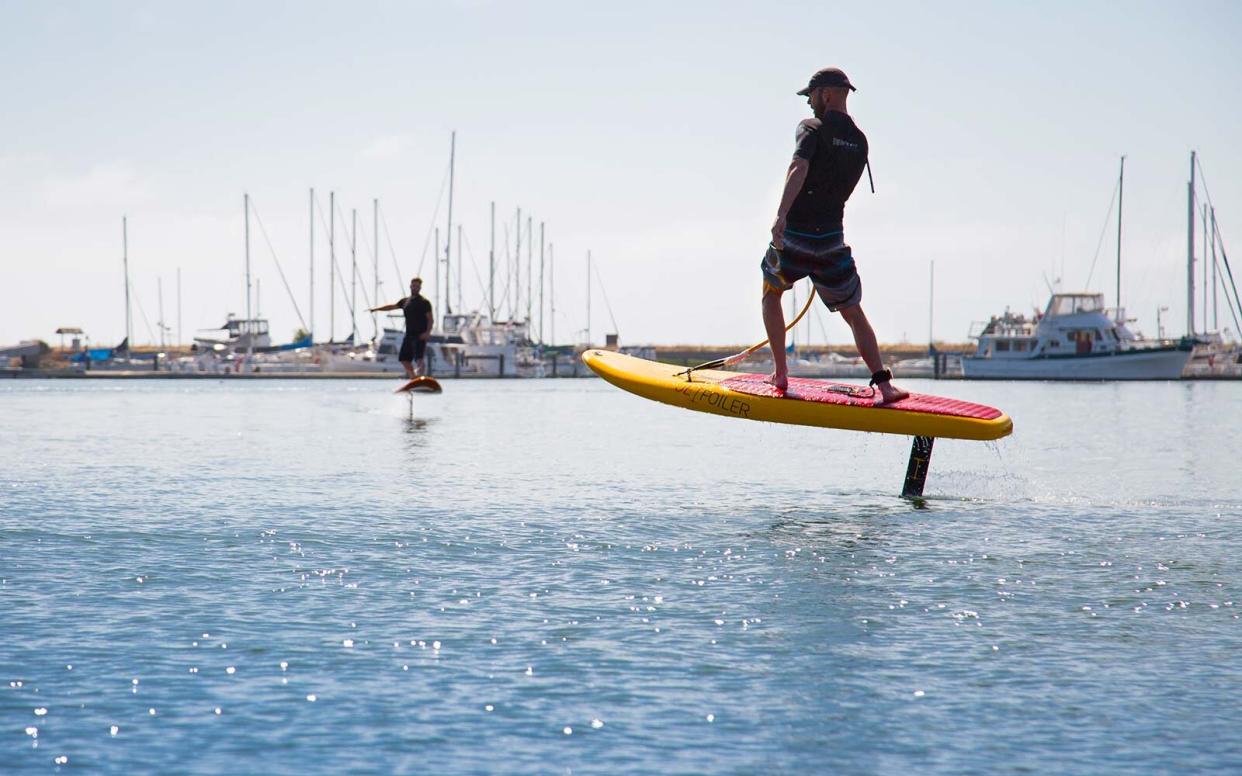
(409,369)
(774,323)
(420,348)
(869,349)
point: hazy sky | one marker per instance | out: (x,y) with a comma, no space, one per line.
(654,134)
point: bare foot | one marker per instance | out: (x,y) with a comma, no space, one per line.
(890,393)
(779,381)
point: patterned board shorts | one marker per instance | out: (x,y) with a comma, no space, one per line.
(825,258)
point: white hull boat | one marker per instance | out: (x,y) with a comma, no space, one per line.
(1074,339)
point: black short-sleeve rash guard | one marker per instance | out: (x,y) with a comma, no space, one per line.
(416,309)
(837,151)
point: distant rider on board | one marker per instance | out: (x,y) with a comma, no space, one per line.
(418,324)
(808,237)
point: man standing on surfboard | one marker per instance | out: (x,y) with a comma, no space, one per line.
(808,237)
(418,324)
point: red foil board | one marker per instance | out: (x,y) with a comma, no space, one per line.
(807,389)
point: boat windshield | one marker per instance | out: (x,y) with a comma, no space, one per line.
(1069,304)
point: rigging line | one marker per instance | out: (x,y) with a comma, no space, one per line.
(279,269)
(340,275)
(465,238)
(737,358)
(822,326)
(1219,239)
(134,293)
(1107,220)
(391,251)
(356,273)
(435,214)
(335,265)
(604,291)
(1229,271)
(1203,177)
(362,281)
(504,292)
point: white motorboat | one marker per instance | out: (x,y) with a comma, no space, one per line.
(1075,338)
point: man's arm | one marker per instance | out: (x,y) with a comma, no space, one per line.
(385,308)
(431,322)
(794,179)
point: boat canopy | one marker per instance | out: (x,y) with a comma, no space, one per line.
(1069,304)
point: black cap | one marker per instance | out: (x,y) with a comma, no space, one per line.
(829,76)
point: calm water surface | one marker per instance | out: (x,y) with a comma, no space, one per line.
(554,577)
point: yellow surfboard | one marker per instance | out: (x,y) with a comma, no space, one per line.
(807,402)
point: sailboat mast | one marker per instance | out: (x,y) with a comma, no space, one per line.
(541,246)
(246,207)
(179,340)
(588,326)
(1190,250)
(1121,183)
(1205,268)
(353,275)
(448,233)
(125,263)
(159,290)
(552,293)
(375,267)
(530,263)
(517,267)
(460,307)
(491,270)
(312,266)
(437,265)
(1215,320)
(331,266)
(248,326)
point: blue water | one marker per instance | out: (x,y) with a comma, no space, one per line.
(556,577)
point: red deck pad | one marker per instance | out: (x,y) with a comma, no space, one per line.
(806,389)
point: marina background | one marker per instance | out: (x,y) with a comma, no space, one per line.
(995,135)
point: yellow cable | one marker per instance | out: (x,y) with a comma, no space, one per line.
(737,358)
